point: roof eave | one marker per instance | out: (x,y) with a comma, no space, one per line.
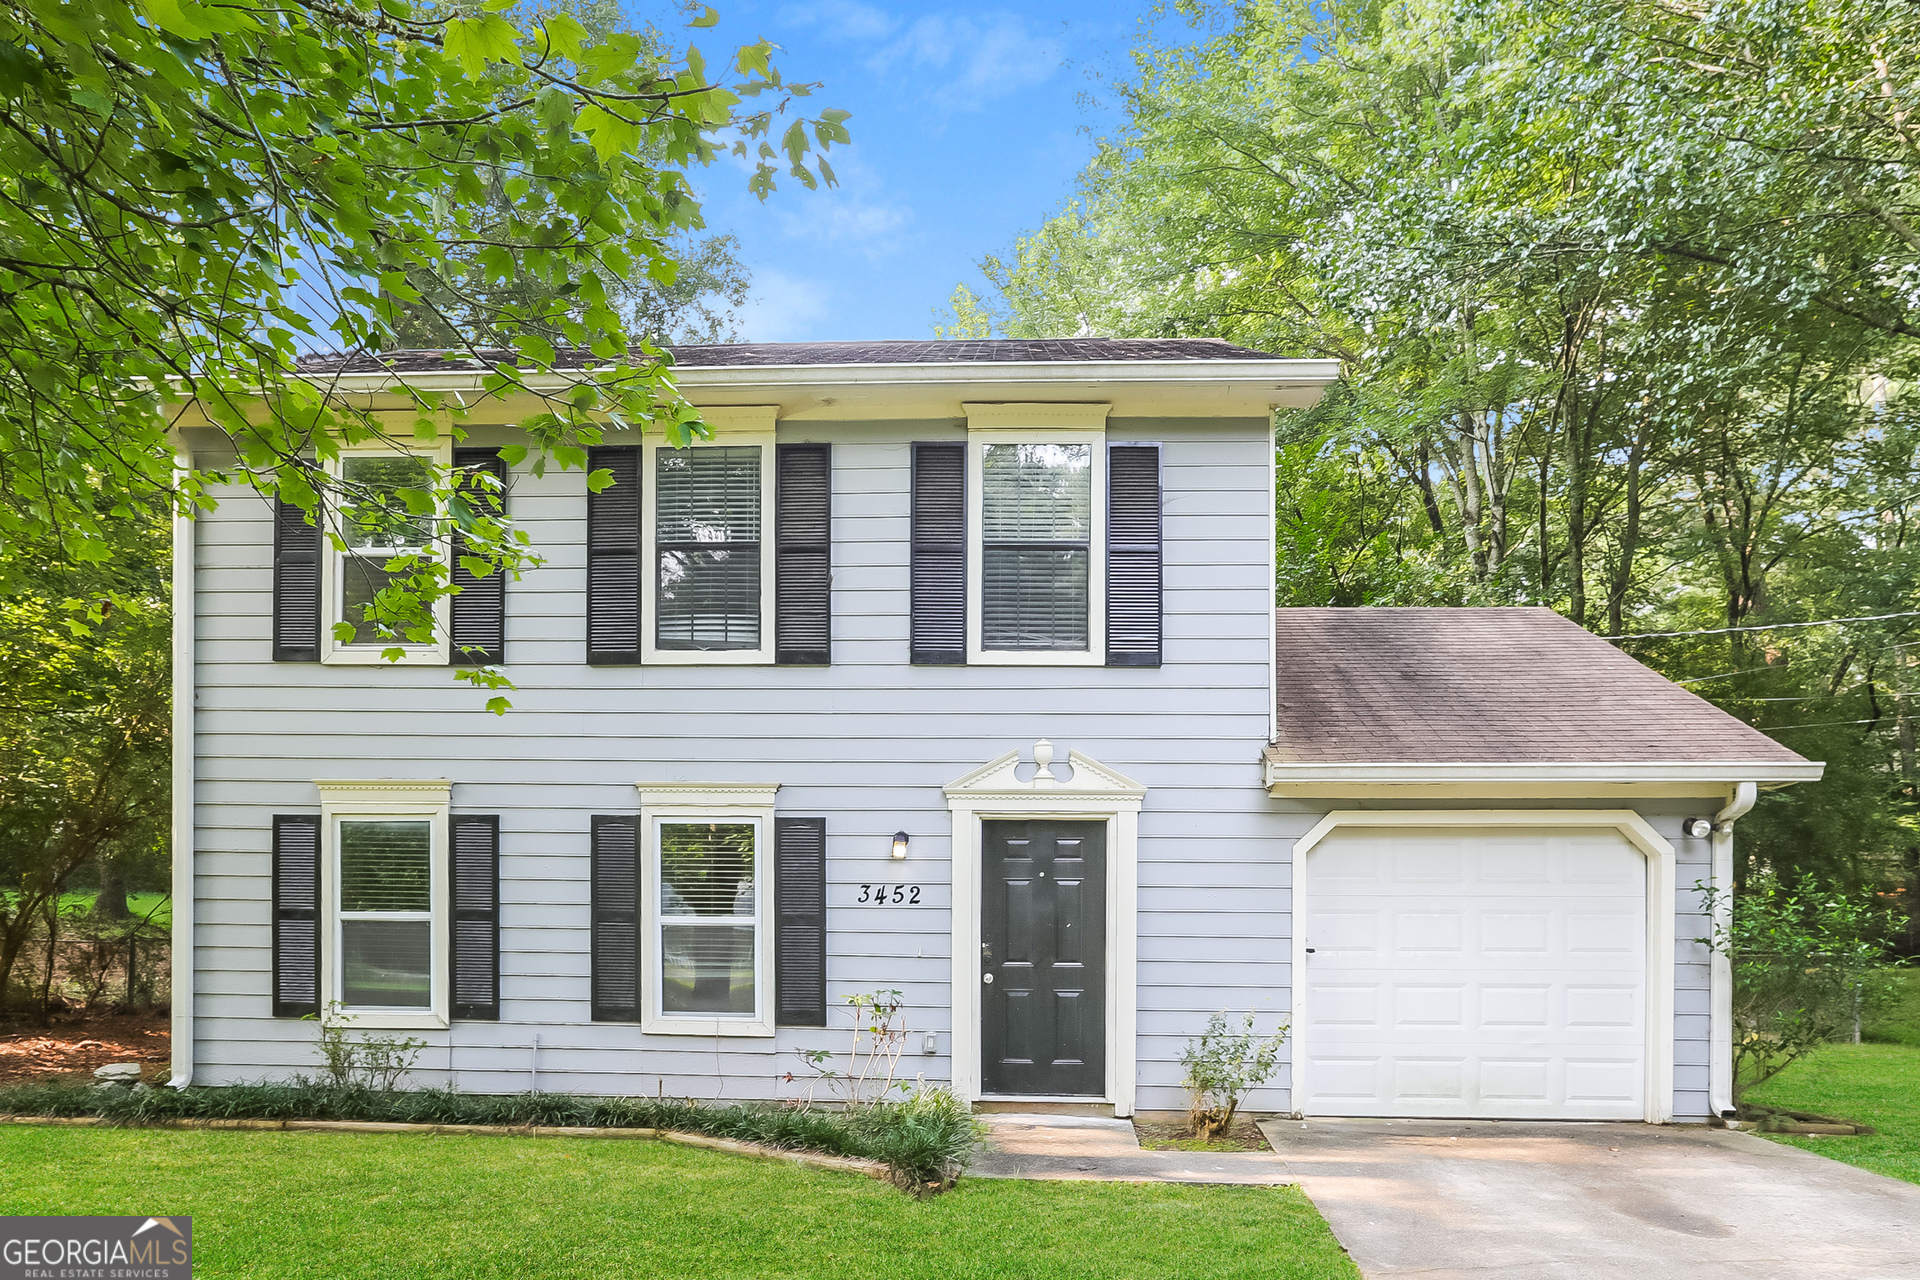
(1533,780)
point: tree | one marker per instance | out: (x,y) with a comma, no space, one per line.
(1622,295)
(195,191)
(84,760)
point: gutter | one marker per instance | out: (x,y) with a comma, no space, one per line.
(1285,778)
(1720,980)
(184,579)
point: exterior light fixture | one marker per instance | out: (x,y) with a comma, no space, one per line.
(1697,828)
(899,845)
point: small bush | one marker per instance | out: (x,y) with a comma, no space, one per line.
(1223,1065)
(925,1141)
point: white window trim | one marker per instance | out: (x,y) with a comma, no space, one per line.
(1038,424)
(1094,793)
(740,425)
(713,802)
(1661,904)
(428,801)
(440,652)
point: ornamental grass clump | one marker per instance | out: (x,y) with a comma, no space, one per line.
(1223,1066)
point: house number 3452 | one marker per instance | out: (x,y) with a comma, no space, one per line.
(893,895)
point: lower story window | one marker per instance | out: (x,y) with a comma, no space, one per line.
(386,914)
(708,919)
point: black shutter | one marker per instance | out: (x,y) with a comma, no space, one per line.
(480,610)
(476,916)
(296,584)
(296,915)
(939,570)
(800,938)
(802,554)
(613,558)
(1133,555)
(616,919)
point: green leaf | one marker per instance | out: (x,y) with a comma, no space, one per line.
(566,35)
(611,136)
(474,42)
(707,19)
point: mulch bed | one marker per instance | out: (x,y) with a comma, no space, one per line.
(1244,1136)
(77,1043)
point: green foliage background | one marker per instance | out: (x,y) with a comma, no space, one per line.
(1625,297)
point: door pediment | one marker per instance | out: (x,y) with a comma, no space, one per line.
(1089,783)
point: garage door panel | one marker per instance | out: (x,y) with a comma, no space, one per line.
(1480,973)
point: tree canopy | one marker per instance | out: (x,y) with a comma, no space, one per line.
(1626,295)
(197,191)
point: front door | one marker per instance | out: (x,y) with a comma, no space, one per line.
(1043,961)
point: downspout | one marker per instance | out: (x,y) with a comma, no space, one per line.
(1720,1071)
(184,580)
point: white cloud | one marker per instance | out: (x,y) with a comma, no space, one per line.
(783,307)
(980,56)
(859,212)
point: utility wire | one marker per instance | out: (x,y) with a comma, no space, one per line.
(1770,626)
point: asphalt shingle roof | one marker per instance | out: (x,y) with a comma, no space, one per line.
(747,354)
(1484,686)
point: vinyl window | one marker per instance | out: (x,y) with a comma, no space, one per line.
(385,888)
(709,515)
(372,519)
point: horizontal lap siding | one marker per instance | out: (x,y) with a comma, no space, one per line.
(867,742)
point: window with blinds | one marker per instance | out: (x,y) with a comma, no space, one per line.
(709,886)
(386,914)
(707,533)
(1036,540)
(377,527)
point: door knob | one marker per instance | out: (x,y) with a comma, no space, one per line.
(987,978)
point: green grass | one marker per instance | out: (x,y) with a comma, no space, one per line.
(345,1205)
(1876,1084)
(138,903)
(1901,1023)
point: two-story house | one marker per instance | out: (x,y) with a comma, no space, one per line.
(948,668)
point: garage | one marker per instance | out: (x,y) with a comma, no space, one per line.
(1490,967)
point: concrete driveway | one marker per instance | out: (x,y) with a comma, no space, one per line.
(1445,1199)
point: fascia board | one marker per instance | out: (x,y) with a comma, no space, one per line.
(1684,777)
(1148,388)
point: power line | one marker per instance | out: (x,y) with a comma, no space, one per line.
(1770,626)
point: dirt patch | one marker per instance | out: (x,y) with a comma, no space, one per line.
(76,1044)
(1244,1136)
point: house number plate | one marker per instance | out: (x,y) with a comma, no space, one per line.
(889,895)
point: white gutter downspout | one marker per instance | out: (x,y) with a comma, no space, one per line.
(184,579)
(1720,1071)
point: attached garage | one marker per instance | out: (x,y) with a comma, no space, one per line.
(1504,824)
(1481,966)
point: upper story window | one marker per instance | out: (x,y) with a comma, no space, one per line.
(707,548)
(1036,531)
(373,519)
(708,508)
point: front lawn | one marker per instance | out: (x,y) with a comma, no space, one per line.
(325,1204)
(1876,1084)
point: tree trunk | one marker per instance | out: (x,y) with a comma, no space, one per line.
(1576,519)
(112,902)
(1629,539)
(52,910)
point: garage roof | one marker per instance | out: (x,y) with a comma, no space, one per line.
(1487,686)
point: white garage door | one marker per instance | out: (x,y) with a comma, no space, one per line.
(1475,972)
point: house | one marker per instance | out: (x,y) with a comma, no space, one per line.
(947,668)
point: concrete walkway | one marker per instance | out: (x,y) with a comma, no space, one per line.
(1449,1200)
(1087,1149)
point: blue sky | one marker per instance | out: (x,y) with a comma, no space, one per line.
(969,126)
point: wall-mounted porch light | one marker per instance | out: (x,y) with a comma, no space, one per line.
(899,845)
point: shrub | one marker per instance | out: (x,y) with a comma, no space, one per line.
(371,1062)
(925,1141)
(1809,964)
(1223,1065)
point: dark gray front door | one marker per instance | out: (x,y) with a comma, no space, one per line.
(1043,964)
